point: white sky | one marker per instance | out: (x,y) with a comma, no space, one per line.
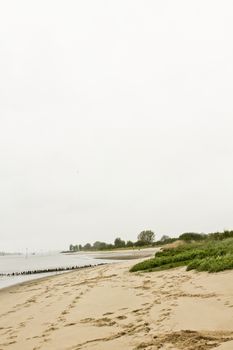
(115,116)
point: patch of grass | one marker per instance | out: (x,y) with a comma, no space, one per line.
(212,256)
(212,264)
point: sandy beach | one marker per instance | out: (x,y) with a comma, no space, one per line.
(107,307)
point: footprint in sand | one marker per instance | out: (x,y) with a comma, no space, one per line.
(87,320)
(104,322)
(70,324)
(121,317)
(136,311)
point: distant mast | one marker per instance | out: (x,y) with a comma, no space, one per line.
(26,255)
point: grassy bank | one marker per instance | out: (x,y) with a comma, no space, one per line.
(211,256)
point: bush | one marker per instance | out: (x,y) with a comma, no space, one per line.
(164,241)
(192,237)
(219,236)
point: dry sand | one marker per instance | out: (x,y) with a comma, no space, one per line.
(108,308)
(126,254)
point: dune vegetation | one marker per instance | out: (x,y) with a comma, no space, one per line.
(212,254)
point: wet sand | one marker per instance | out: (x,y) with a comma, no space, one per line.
(109,308)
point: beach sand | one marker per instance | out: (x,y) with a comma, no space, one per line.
(108,308)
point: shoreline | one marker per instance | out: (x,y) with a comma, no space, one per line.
(107,307)
(30,278)
(109,257)
(42,278)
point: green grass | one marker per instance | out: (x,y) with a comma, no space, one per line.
(211,256)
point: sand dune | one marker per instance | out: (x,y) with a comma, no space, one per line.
(108,308)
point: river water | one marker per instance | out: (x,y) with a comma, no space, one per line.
(19,263)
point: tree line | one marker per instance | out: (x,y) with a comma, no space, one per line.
(144,238)
(147,238)
(189,237)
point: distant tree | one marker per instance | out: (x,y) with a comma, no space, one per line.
(87,246)
(80,247)
(103,246)
(220,235)
(129,244)
(74,248)
(99,245)
(164,238)
(119,243)
(165,241)
(191,236)
(96,245)
(109,246)
(71,248)
(139,243)
(147,237)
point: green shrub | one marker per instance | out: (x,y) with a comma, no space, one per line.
(191,236)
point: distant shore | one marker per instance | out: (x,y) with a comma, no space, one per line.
(108,307)
(119,254)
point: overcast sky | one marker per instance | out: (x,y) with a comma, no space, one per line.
(115,116)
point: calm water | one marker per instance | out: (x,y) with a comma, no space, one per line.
(18,263)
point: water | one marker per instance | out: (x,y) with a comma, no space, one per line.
(19,263)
